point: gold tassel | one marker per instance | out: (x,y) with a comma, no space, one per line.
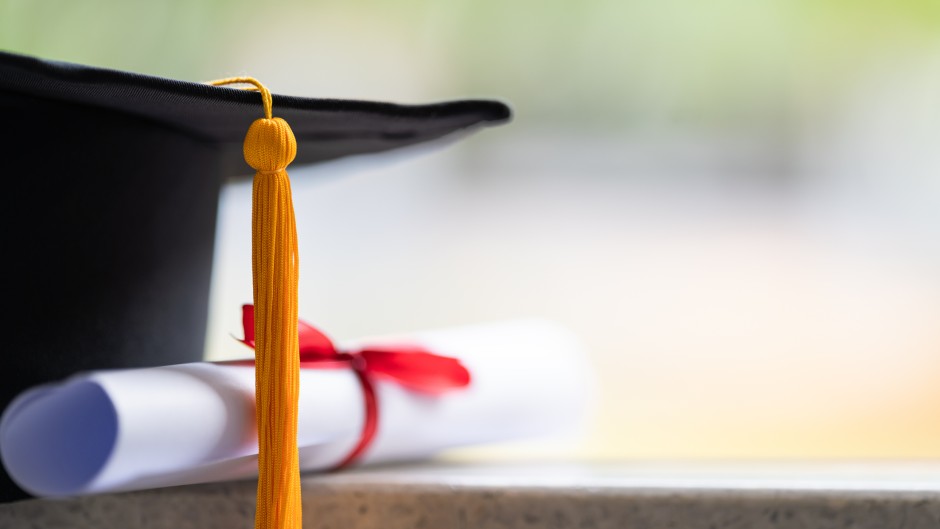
(269,147)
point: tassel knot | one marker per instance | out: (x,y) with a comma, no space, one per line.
(270,145)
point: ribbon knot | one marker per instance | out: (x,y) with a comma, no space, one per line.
(410,366)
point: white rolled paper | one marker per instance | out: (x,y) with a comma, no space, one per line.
(193,423)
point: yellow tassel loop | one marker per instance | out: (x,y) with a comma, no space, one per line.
(269,147)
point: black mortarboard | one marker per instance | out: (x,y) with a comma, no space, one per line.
(109,206)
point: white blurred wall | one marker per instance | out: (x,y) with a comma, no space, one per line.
(737,302)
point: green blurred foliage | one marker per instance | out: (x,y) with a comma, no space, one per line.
(603,63)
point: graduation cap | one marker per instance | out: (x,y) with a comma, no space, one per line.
(109,205)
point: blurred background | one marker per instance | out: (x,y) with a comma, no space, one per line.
(735,204)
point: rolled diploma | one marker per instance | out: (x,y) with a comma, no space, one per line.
(193,423)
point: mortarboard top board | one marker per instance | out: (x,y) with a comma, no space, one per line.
(109,205)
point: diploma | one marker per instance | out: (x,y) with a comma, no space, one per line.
(193,423)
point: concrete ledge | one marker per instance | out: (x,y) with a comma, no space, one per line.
(637,496)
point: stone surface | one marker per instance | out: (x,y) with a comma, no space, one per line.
(629,496)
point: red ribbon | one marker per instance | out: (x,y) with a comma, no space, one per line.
(412,367)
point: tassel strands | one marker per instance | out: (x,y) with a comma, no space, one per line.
(269,147)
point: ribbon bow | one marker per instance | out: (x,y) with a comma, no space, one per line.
(410,366)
